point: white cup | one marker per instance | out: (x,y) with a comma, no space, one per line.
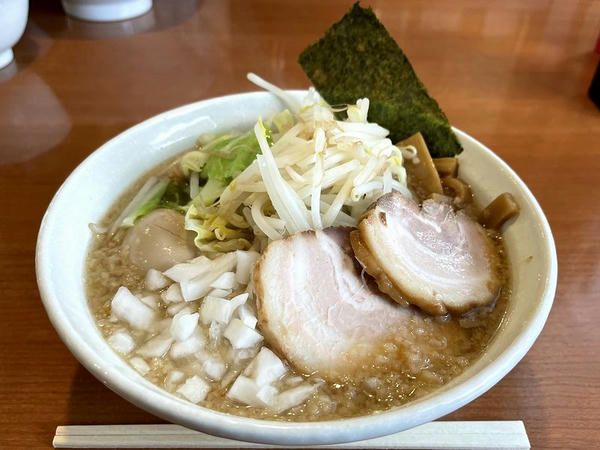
(13,18)
(106,10)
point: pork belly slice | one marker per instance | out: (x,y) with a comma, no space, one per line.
(315,309)
(431,256)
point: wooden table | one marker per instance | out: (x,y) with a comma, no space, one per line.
(513,74)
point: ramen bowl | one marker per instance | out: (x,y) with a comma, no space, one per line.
(94,186)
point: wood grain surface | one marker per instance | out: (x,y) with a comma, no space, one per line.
(513,74)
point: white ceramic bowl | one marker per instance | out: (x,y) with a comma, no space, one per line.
(106,10)
(92,188)
(13,18)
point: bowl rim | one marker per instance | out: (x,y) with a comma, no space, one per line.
(273,432)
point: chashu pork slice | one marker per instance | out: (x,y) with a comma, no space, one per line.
(431,256)
(314,307)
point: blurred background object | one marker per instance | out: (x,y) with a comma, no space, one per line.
(51,20)
(594,91)
(13,18)
(106,10)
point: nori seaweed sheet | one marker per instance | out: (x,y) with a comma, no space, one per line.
(358,58)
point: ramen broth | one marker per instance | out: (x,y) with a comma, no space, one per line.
(410,362)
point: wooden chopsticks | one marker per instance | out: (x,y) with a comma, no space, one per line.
(433,435)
